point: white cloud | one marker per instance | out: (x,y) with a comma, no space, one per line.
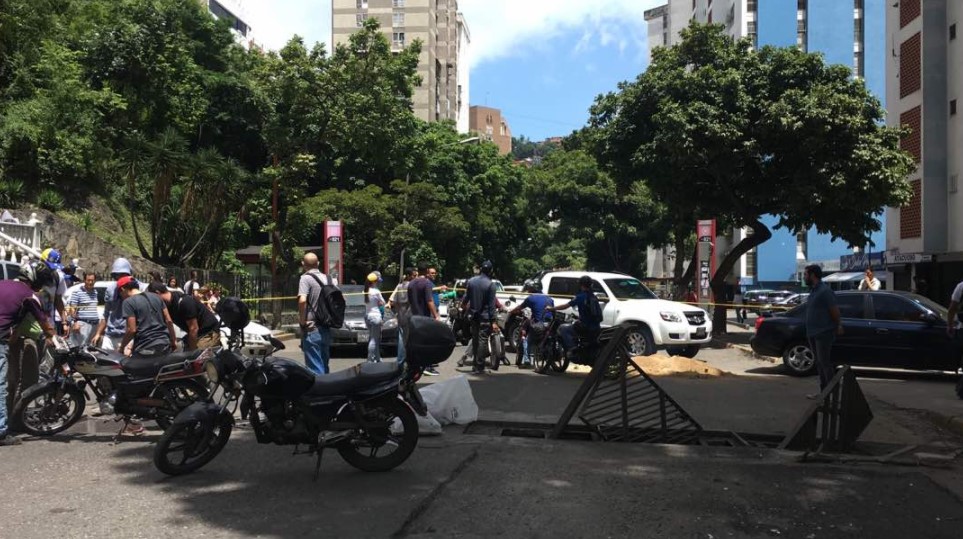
(275,21)
(505,28)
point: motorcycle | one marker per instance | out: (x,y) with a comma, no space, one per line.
(156,388)
(366,412)
(546,346)
(458,321)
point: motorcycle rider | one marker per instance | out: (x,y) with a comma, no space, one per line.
(538,303)
(198,323)
(17,300)
(588,325)
(480,302)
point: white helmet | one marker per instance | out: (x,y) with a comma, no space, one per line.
(36,274)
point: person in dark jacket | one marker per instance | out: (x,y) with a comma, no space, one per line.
(480,302)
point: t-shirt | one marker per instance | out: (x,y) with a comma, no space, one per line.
(184,308)
(818,320)
(581,303)
(869,285)
(189,287)
(113,311)
(537,303)
(48,295)
(309,287)
(419,295)
(16,301)
(85,303)
(435,294)
(374,302)
(148,310)
(480,296)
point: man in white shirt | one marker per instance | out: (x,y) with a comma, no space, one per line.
(955,299)
(869,282)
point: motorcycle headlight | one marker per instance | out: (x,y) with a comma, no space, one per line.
(391,323)
(210,369)
(670,316)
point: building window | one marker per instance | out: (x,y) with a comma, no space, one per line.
(360,18)
(751,6)
(751,33)
(858,64)
(362,4)
(398,39)
(398,18)
(952,31)
(952,107)
(397,3)
(910,69)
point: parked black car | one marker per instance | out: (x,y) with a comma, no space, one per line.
(758,300)
(881,329)
(354,333)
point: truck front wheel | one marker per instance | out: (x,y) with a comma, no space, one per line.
(639,340)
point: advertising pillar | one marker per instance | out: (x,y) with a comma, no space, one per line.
(706,257)
(333,263)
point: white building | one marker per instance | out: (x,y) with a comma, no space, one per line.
(464,62)
(233,10)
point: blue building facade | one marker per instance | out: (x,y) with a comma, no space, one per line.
(848,32)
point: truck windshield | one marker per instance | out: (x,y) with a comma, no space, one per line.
(629,288)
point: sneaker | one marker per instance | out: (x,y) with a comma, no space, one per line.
(134,428)
(812,396)
(6,439)
(431,371)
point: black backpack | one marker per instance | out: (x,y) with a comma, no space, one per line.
(593,308)
(329,311)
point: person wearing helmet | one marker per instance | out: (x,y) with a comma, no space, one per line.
(373,317)
(538,303)
(480,303)
(52,295)
(113,326)
(589,321)
(17,300)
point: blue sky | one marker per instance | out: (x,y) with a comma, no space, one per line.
(541,61)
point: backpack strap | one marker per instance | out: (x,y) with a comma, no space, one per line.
(315,277)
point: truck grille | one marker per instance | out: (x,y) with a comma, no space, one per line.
(695,318)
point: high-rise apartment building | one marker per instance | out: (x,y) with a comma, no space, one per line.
(488,124)
(443,94)
(924,80)
(233,11)
(848,32)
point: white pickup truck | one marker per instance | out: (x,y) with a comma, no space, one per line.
(656,323)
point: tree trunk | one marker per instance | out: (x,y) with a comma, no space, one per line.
(683,278)
(760,234)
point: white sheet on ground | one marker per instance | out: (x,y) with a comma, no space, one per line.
(451,401)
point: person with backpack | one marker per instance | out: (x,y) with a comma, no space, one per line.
(320,304)
(589,321)
(398,302)
(480,303)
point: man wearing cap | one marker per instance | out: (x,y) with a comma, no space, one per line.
(149,324)
(52,296)
(197,321)
(113,326)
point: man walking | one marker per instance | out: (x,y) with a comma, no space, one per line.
(83,306)
(480,302)
(421,302)
(17,299)
(822,324)
(315,339)
(201,328)
(398,302)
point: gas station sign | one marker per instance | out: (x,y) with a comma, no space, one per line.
(333,236)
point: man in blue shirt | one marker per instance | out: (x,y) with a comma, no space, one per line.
(589,321)
(538,303)
(822,324)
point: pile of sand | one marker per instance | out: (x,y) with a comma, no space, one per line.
(659,365)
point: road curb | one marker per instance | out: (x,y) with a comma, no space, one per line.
(746,349)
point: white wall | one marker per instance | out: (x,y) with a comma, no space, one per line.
(464,67)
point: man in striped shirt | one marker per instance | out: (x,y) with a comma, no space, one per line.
(83,305)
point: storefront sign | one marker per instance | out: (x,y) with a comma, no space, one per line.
(861,261)
(908,258)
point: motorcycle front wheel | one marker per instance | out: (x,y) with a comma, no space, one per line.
(388,443)
(539,358)
(185,447)
(178,394)
(48,410)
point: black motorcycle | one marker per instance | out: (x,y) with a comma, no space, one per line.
(364,412)
(458,321)
(546,346)
(156,388)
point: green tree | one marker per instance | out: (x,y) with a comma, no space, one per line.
(717,129)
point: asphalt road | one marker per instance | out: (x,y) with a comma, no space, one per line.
(463,485)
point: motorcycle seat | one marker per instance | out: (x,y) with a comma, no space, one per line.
(147,367)
(359,377)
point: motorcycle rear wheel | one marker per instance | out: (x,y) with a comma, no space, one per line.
(186,447)
(560,363)
(49,410)
(361,451)
(178,394)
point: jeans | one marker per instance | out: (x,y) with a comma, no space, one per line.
(317,349)
(481,331)
(374,338)
(822,347)
(526,358)
(82,331)
(4,350)
(401,345)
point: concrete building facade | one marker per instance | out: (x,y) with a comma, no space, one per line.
(234,11)
(488,124)
(444,36)
(848,32)
(924,79)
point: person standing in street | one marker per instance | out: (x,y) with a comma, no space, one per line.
(869,282)
(480,302)
(52,295)
(436,299)
(398,302)
(421,302)
(201,328)
(17,300)
(83,305)
(737,302)
(315,339)
(822,324)
(191,284)
(112,327)
(373,316)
